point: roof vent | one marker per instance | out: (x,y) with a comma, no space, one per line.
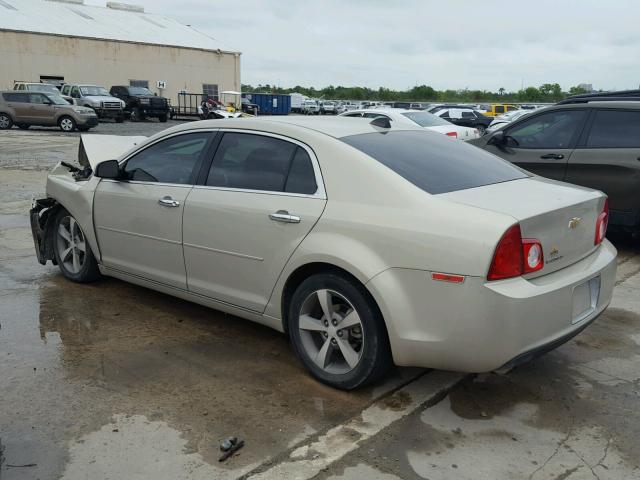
(125,6)
(74,2)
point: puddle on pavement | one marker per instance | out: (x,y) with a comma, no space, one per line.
(81,354)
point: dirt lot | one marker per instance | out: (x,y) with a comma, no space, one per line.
(110,380)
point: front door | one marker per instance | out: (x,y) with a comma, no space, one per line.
(41,110)
(138,219)
(609,160)
(542,144)
(262,196)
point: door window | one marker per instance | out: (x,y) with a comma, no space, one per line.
(38,98)
(173,160)
(499,109)
(374,115)
(75,92)
(256,162)
(615,129)
(550,130)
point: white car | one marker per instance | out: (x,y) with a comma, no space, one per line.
(420,118)
(365,244)
(310,107)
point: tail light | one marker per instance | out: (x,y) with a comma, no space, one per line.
(452,134)
(602,223)
(515,256)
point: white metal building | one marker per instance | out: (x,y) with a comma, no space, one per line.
(66,41)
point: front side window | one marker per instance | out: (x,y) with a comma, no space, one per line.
(37,98)
(433,162)
(549,130)
(92,90)
(65,89)
(615,129)
(257,162)
(174,160)
(499,109)
(75,92)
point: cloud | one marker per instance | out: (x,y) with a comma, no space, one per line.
(446,44)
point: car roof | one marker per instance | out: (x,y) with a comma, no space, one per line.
(337,127)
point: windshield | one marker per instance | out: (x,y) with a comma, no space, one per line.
(92,90)
(433,162)
(426,119)
(43,87)
(57,99)
(139,91)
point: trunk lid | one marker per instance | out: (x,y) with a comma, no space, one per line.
(561,216)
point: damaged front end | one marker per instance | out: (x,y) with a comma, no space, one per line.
(42,216)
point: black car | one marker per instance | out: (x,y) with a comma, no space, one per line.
(248,107)
(463,116)
(141,103)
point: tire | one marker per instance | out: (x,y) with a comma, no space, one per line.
(23,126)
(163,118)
(67,124)
(481,129)
(72,251)
(365,342)
(120,119)
(6,122)
(136,114)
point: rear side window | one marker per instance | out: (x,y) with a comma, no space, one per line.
(433,162)
(499,109)
(14,97)
(615,129)
(258,162)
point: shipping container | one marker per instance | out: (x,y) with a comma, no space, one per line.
(270,104)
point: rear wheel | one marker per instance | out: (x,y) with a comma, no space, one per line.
(163,118)
(5,121)
(338,332)
(67,124)
(72,251)
(481,129)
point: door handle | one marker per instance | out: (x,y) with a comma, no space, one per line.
(553,156)
(284,217)
(168,202)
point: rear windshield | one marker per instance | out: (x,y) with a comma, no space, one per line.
(426,119)
(434,162)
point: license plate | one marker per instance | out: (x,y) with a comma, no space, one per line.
(585,299)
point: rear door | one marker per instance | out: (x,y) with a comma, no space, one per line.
(41,111)
(542,144)
(138,219)
(254,205)
(608,159)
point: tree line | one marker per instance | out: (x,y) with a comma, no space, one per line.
(547,93)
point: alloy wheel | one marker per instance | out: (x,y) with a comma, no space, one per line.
(72,247)
(5,122)
(66,124)
(331,331)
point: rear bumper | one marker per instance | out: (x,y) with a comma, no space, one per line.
(480,326)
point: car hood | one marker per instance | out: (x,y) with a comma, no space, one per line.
(98,148)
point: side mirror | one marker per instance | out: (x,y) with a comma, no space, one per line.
(497,139)
(108,169)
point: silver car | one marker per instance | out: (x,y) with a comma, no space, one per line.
(366,244)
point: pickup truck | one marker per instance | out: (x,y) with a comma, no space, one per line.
(97,98)
(141,103)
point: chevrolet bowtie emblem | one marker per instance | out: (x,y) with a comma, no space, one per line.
(574,222)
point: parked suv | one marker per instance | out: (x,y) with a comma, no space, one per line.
(24,109)
(464,116)
(595,144)
(328,107)
(97,98)
(310,107)
(141,103)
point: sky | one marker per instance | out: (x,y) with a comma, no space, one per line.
(447,44)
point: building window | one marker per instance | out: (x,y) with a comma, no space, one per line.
(139,83)
(209,90)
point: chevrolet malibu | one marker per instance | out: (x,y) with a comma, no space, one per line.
(367,245)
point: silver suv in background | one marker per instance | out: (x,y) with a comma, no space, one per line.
(97,98)
(328,107)
(23,109)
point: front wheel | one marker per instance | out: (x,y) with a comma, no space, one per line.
(163,118)
(72,251)
(481,129)
(136,114)
(67,124)
(338,332)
